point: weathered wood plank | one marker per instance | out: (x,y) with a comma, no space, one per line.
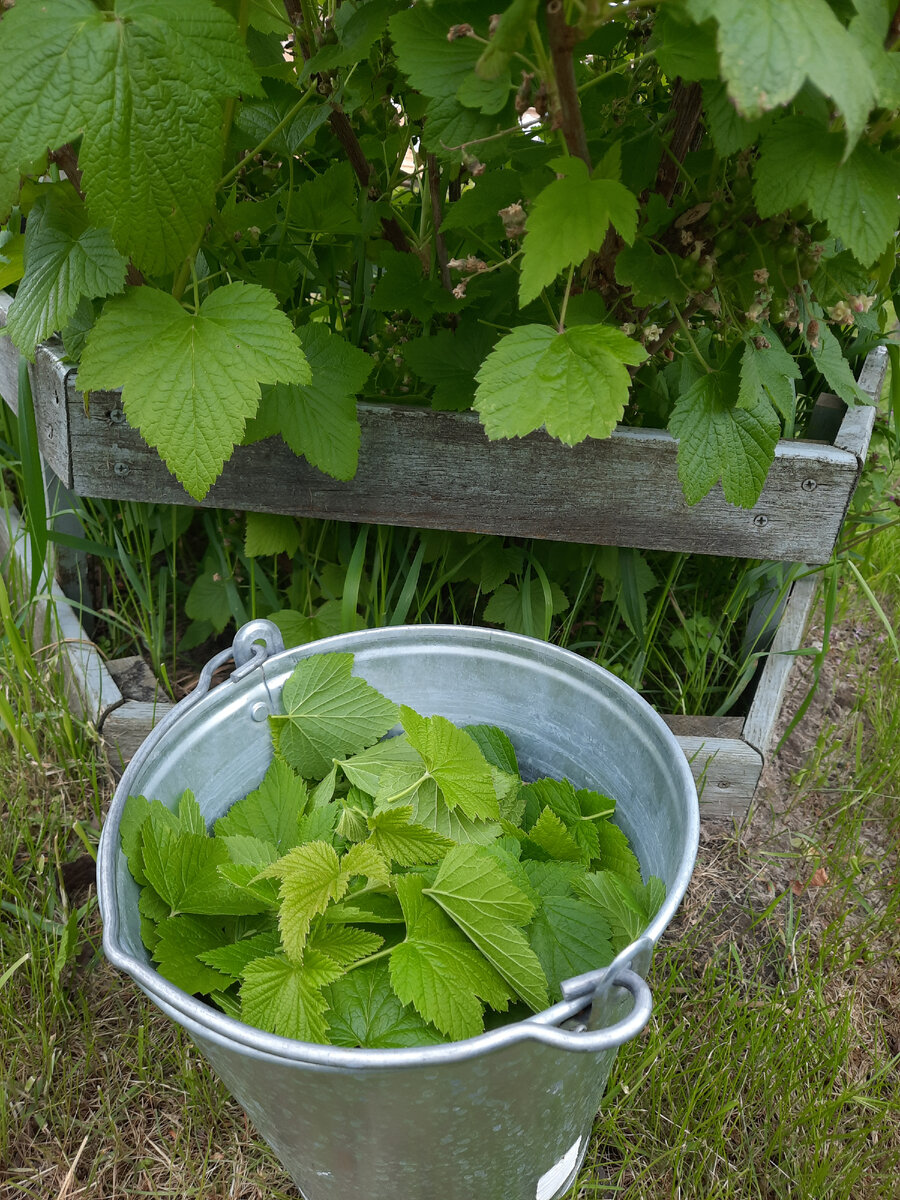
(89,687)
(48,374)
(704,727)
(727,771)
(124,728)
(759,727)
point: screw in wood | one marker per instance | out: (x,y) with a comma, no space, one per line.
(116,416)
(121,469)
(809,485)
(760,522)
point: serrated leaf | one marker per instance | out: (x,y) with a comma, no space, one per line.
(554,839)
(190,381)
(768,374)
(246,877)
(508,36)
(481,201)
(12,254)
(615,853)
(270,534)
(272,811)
(619,904)
(250,851)
(233,959)
(318,420)
(449,362)
(653,278)
(481,899)
(556,794)
(395,835)
(684,49)
(364,770)
(433,65)
(184,869)
(508,604)
(717,440)
(181,940)
(329,713)
(454,762)
(450,127)
(829,359)
(729,131)
(429,807)
(569,937)
(801,162)
(311,877)
(568,220)
(190,818)
(298,629)
(284,997)
(66,259)
(496,747)
(343,943)
(318,824)
(363,1010)
(367,858)
(145,90)
(134,814)
(768,51)
(575,384)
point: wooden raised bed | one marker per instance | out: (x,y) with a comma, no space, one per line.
(438,470)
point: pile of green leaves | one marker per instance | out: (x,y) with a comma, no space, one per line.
(382,893)
(248,214)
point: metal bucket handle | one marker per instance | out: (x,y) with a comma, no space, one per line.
(596,1004)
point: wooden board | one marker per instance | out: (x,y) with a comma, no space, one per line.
(438,470)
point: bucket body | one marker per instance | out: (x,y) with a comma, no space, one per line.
(506,1116)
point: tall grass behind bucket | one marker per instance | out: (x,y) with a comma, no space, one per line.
(504,1116)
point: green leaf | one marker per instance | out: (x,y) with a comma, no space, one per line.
(558,795)
(367,858)
(684,49)
(233,959)
(481,201)
(770,49)
(343,943)
(449,362)
(190,381)
(364,770)
(259,119)
(328,202)
(144,86)
(433,65)
(190,818)
(801,162)
(829,358)
(768,374)
(569,937)
(318,420)
(575,384)
(284,997)
(65,259)
(134,814)
(311,877)
(404,287)
(568,220)
(363,1010)
(554,839)
(652,277)
(184,869)
(717,440)
(272,811)
(496,747)
(429,807)
(299,629)
(507,607)
(729,131)
(619,904)
(12,257)
(400,839)
(615,853)
(475,893)
(509,36)
(270,534)
(454,762)
(181,940)
(250,851)
(329,713)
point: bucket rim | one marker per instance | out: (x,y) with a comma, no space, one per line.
(539,1027)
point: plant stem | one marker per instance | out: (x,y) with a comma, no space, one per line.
(282,124)
(565,302)
(440,246)
(563,39)
(693,345)
(406,791)
(361,962)
(632,63)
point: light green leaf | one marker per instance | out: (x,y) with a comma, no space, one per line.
(574,384)
(496,747)
(233,959)
(768,50)
(12,256)
(507,606)
(245,877)
(65,259)
(569,937)
(246,851)
(364,770)
(184,870)
(400,839)
(190,381)
(298,629)
(271,811)
(364,1011)
(554,839)
(481,899)
(454,762)
(190,818)
(329,713)
(556,794)
(311,877)
(181,940)
(568,220)
(800,162)
(615,853)
(270,534)
(134,814)
(318,420)
(429,807)
(343,943)
(622,906)
(367,858)
(829,358)
(284,997)
(717,440)
(768,374)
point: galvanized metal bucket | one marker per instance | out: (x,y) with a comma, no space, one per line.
(503,1116)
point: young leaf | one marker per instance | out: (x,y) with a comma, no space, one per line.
(475,893)
(363,1010)
(615,853)
(556,794)
(619,904)
(272,811)
(551,835)
(234,958)
(311,877)
(454,762)
(568,220)
(318,419)
(368,859)
(768,374)
(65,260)
(190,381)
(801,162)
(574,384)
(285,997)
(343,943)
(429,807)
(399,839)
(718,440)
(190,818)
(329,713)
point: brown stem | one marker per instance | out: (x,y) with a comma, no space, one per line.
(440,246)
(345,134)
(687,108)
(67,161)
(674,325)
(563,39)
(893,33)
